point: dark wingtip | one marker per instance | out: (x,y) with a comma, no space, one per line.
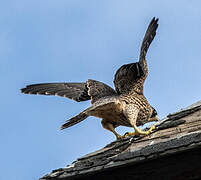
(62,127)
(155,19)
(23,90)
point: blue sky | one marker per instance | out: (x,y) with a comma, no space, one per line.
(71,41)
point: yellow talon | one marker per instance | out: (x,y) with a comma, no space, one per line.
(137,132)
(141,132)
(129,134)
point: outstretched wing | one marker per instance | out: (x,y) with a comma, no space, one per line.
(127,77)
(131,76)
(97,90)
(76,91)
(148,38)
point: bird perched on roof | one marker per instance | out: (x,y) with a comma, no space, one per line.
(124,106)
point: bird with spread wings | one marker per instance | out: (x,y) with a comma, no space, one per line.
(124,106)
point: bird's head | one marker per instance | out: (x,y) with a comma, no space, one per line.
(154,115)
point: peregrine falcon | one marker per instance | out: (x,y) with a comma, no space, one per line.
(124,106)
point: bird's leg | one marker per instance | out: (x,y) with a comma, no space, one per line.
(132,114)
(111,128)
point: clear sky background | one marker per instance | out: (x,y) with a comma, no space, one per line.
(73,40)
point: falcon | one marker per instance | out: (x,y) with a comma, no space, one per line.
(124,106)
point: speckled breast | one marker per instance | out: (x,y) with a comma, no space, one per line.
(139,101)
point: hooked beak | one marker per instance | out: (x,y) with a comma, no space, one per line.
(155,118)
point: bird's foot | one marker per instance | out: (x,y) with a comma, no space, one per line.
(127,134)
(141,132)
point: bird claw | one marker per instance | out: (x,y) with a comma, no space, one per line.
(139,132)
(127,134)
(145,133)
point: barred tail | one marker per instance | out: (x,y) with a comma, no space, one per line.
(74,120)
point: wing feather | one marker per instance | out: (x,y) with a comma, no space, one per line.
(98,90)
(91,90)
(75,91)
(131,77)
(148,38)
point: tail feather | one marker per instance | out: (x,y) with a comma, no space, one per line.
(74,120)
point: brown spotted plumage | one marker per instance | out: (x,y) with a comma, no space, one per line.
(124,106)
